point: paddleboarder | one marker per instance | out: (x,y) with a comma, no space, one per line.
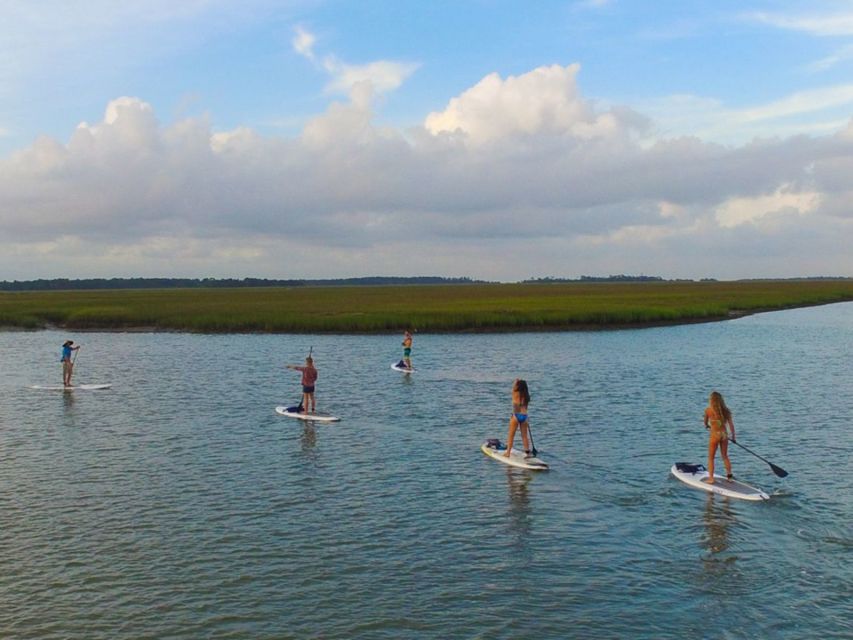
(519,417)
(407,349)
(309,379)
(67,362)
(717,417)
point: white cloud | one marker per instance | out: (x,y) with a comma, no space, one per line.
(383,75)
(79,35)
(377,77)
(559,180)
(838,24)
(543,101)
(802,102)
(303,43)
(738,211)
(794,114)
(839,56)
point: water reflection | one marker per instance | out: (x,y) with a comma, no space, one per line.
(520,513)
(718,519)
(308,439)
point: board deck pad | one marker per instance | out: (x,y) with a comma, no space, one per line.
(516,457)
(81,387)
(290,412)
(696,474)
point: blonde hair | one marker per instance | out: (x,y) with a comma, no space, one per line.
(719,406)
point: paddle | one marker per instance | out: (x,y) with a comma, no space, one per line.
(533,450)
(779,471)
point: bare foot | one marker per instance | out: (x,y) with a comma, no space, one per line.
(708,481)
(508,451)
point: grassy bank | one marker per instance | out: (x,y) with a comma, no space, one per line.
(475,307)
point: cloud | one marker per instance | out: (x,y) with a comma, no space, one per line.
(303,43)
(840,55)
(738,211)
(826,25)
(710,119)
(73,37)
(382,76)
(378,77)
(517,176)
(543,101)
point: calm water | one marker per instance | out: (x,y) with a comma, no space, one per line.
(178,505)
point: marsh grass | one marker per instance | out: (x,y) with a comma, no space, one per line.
(437,308)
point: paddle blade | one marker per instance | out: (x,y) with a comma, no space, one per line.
(779,471)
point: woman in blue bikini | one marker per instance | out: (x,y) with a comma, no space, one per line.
(520,400)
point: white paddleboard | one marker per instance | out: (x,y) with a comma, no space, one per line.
(311,417)
(516,458)
(396,367)
(696,474)
(76,387)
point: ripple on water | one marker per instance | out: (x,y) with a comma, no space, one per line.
(179,505)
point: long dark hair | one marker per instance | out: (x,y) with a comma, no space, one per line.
(521,387)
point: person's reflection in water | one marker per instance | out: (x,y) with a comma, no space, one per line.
(309,439)
(519,507)
(718,517)
(68,399)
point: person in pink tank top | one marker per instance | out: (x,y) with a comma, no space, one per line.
(309,378)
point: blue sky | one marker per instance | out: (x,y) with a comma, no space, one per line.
(487,138)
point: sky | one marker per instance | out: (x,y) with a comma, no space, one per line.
(490,139)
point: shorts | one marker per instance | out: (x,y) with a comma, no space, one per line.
(407,352)
(307,389)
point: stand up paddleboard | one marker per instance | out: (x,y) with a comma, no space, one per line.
(495,449)
(402,368)
(293,412)
(696,474)
(76,387)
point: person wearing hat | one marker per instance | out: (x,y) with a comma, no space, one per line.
(67,363)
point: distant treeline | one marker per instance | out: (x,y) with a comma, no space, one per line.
(64,284)
(618,278)
(626,278)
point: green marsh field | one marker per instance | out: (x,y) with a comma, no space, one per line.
(436,308)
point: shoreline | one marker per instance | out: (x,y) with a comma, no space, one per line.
(570,327)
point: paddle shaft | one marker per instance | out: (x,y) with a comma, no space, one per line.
(779,471)
(530,435)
